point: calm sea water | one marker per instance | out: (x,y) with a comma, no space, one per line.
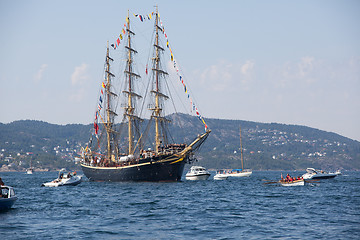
(243,208)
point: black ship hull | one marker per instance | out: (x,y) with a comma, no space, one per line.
(153,170)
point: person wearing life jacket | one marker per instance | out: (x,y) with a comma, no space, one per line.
(288,178)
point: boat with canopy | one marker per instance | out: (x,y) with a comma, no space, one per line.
(7,196)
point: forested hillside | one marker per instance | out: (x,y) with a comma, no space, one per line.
(265,146)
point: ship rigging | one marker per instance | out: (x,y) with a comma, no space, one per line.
(112,155)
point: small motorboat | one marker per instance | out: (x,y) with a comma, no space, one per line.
(197,173)
(298,182)
(29,171)
(221,175)
(64,179)
(311,173)
(7,197)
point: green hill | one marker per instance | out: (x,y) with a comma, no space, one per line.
(265,146)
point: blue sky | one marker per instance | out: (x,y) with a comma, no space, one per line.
(292,62)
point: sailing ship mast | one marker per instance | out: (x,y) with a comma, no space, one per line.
(241,152)
(130,75)
(109,113)
(157,110)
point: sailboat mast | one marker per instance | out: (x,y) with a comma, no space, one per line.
(241,151)
(130,75)
(130,109)
(108,124)
(157,105)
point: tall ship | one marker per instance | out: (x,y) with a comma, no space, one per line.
(124,146)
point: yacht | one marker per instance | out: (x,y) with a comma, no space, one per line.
(197,173)
(311,173)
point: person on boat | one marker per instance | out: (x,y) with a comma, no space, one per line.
(288,178)
(5,195)
(282,178)
(1,182)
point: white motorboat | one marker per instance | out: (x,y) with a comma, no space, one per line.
(7,197)
(64,179)
(30,170)
(197,173)
(221,175)
(311,173)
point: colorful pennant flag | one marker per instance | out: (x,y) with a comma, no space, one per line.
(144,17)
(96,126)
(192,104)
